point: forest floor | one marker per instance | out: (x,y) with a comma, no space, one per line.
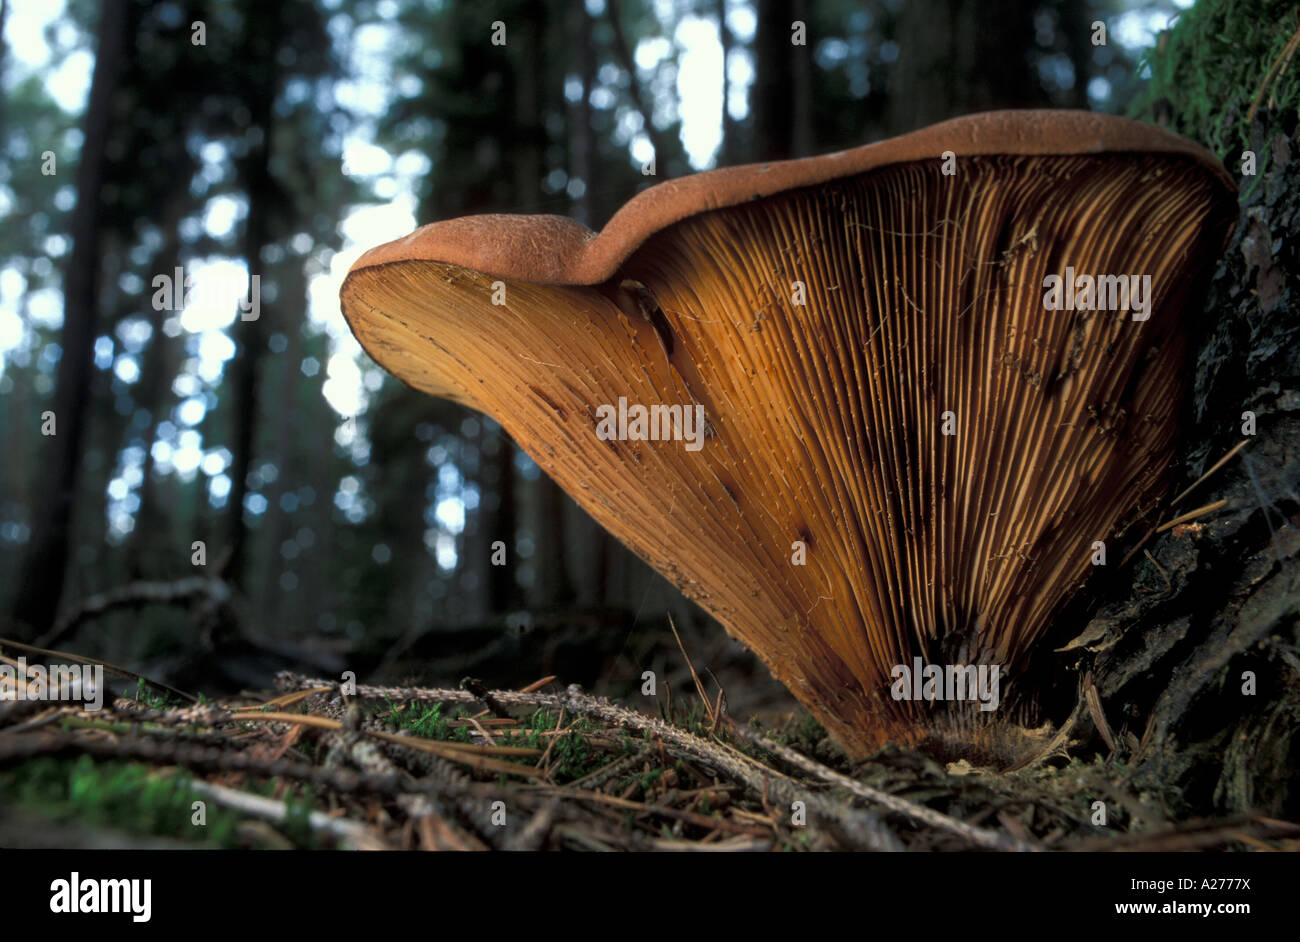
(541,768)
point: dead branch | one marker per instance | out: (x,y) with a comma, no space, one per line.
(978,836)
(134,595)
(722,757)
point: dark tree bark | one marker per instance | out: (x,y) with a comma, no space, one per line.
(251,335)
(584,160)
(285,368)
(771,136)
(318,590)
(530,133)
(154,393)
(728,149)
(1075,26)
(1200,657)
(498,517)
(45,565)
(4,59)
(961,56)
(781,98)
(802,140)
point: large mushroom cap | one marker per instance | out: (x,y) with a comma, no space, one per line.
(907,454)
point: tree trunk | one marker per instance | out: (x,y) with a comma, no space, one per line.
(45,565)
(780,99)
(4,59)
(802,141)
(499,517)
(251,334)
(769,97)
(155,392)
(728,149)
(1075,25)
(961,56)
(583,160)
(275,527)
(1201,656)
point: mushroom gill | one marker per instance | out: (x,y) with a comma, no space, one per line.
(907,454)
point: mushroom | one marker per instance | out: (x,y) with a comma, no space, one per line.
(926,397)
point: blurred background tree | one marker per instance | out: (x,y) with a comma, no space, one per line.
(344,518)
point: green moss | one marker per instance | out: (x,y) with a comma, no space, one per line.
(116,795)
(1220,58)
(427,722)
(153,699)
(572,756)
(136,799)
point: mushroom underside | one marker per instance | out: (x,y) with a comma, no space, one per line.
(905,454)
